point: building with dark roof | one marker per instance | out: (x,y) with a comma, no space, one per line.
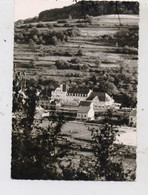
(85,111)
(79,90)
(133,118)
(73,96)
(85,103)
(70,96)
(101,100)
(59,93)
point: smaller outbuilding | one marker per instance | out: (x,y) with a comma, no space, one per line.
(85,111)
(133,118)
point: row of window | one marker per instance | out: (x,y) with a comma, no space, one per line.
(99,106)
(82,115)
(76,94)
(70,94)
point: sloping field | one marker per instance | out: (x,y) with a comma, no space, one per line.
(117,19)
(88,42)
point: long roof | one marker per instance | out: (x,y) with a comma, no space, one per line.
(85,103)
(64,87)
(101,96)
(83,109)
(78,90)
(84,106)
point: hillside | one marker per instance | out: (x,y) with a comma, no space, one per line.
(81,53)
(83,8)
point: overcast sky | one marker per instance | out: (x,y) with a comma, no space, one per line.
(30,8)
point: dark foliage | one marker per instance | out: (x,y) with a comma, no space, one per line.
(49,37)
(126,39)
(93,8)
(33,154)
(73,64)
(110,164)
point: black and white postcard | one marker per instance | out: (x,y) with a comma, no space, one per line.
(74,97)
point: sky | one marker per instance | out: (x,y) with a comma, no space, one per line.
(30,8)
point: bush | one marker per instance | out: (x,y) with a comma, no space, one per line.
(62,21)
(75,61)
(40,25)
(89,19)
(50,26)
(82,25)
(68,53)
(79,52)
(98,61)
(62,64)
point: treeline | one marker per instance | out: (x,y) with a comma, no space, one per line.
(83,8)
(48,37)
(93,8)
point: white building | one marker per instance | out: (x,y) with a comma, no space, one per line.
(101,101)
(85,111)
(70,96)
(59,93)
(73,96)
(76,95)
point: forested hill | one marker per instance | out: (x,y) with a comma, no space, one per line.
(83,8)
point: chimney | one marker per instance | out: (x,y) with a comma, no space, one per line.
(64,88)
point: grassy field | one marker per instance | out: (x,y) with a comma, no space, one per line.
(76,138)
(79,136)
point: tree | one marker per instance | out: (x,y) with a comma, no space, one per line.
(32,45)
(110,167)
(34,153)
(34,31)
(54,40)
(98,62)
(79,52)
(75,60)
(89,19)
(62,64)
(93,79)
(35,38)
(40,25)
(50,26)
(70,17)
